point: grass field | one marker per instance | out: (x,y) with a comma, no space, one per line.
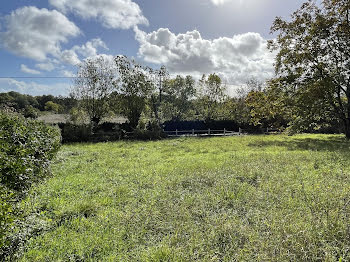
(249,198)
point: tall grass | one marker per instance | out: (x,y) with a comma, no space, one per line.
(253,198)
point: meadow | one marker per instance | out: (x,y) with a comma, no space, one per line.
(243,198)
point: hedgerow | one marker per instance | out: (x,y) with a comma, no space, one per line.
(26,149)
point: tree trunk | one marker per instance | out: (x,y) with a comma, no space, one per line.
(347,128)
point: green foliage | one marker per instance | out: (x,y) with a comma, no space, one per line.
(211,93)
(6,215)
(30,112)
(271,106)
(313,58)
(51,106)
(178,94)
(93,86)
(135,86)
(72,132)
(27,146)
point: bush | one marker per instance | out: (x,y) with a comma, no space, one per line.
(76,132)
(6,216)
(152,132)
(86,133)
(26,148)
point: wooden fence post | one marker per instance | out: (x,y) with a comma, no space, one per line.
(193,132)
(224,131)
(176,132)
(239,131)
(209,131)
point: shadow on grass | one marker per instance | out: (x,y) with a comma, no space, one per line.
(335,144)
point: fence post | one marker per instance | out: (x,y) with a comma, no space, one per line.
(224,131)
(267,130)
(239,131)
(193,132)
(208,131)
(176,132)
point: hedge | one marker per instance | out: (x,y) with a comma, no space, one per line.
(26,149)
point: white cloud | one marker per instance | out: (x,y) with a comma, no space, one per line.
(124,14)
(33,88)
(89,49)
(46,66)
(36,33)
(67,73)
(235,59)
(69,57)
(28,70)
(220,2)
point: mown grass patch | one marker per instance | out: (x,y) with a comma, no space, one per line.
(250,198)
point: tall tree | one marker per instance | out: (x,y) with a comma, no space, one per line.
(93,85)
(178,94)
(211,93)
(134,88)
(313,57)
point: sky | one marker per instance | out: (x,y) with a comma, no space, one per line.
(40,39)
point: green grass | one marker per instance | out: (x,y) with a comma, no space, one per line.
(250,198)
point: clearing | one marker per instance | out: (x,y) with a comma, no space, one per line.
(247,198)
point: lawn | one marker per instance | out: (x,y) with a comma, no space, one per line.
(247,198)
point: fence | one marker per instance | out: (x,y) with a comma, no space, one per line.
(224,132)
(212,132)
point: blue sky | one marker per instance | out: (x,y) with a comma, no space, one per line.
(46,38)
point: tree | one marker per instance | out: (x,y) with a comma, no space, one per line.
(211,94)
(269,106)
(159,79)
(95,81)
(313,58)
(134,88)
(52,106)
(177,96)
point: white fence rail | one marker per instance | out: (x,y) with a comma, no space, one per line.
(215,132)
(206,132)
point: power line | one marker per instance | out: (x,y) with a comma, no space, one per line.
(39,77)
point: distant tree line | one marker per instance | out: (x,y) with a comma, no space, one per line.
(30,106)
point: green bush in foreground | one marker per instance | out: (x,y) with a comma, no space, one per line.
(6,216)
(26,148)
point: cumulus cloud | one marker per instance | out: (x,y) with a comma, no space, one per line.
(26,69)
(36,33)
(69,57)
(235,59)
(89,49)
(33,88)
(123,14)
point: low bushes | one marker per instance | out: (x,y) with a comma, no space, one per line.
(26,149)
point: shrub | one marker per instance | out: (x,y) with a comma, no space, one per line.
(76,132)
(26,148)
(6,216)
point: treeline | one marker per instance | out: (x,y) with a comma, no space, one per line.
(144,95)
(30,106)
(148,98)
